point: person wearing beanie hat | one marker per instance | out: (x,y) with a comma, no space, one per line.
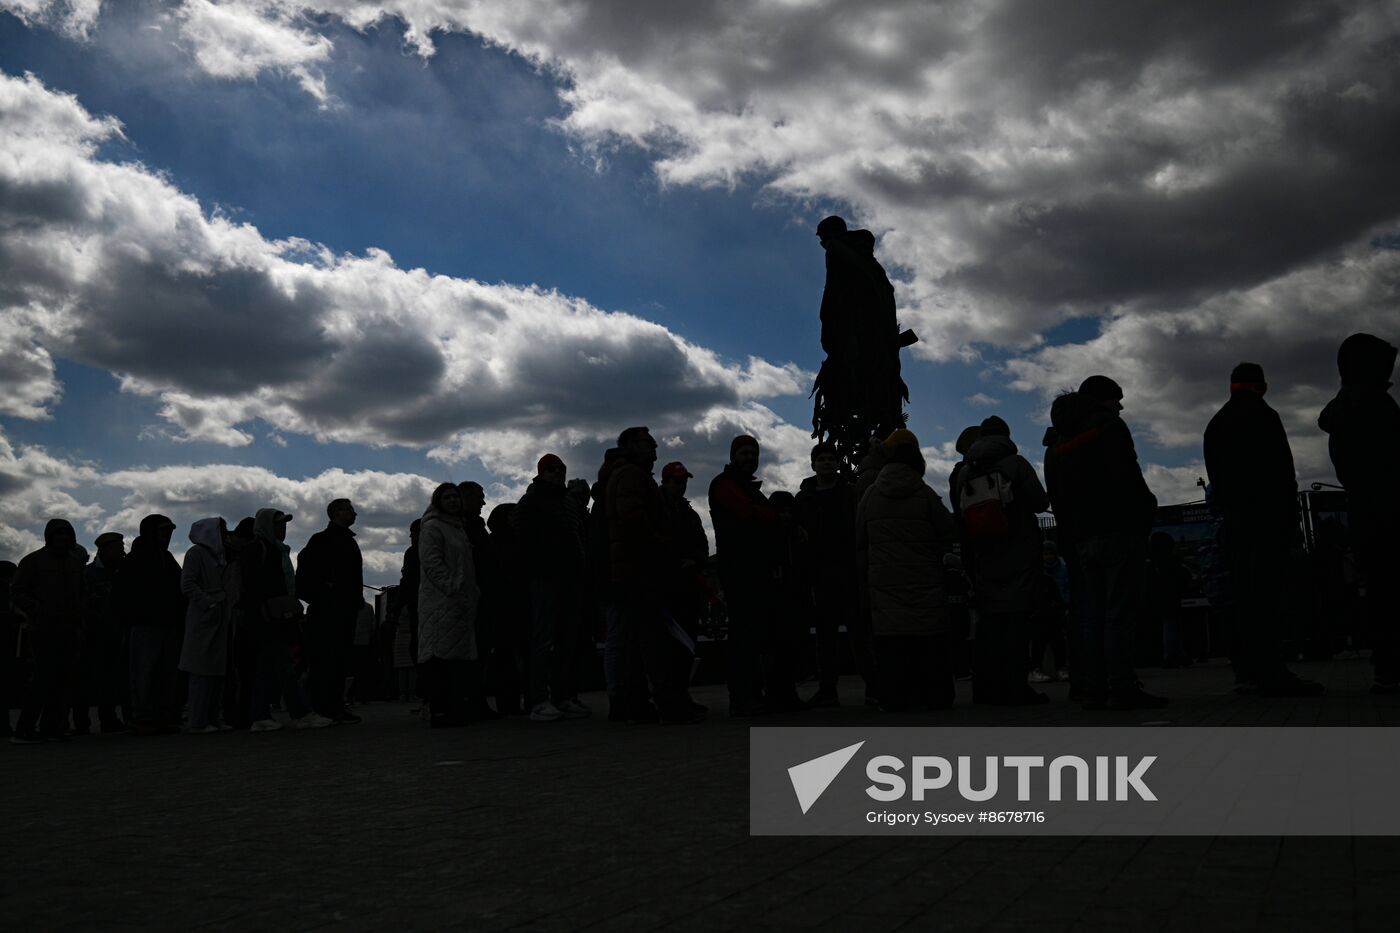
(552,550)
(146,597)
(747,536)
(1254,487)
(901,436)
(48,590)
(1363,427)
(1101,495)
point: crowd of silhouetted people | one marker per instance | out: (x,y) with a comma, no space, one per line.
(510,614)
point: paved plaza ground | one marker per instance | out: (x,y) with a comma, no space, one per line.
(559,826)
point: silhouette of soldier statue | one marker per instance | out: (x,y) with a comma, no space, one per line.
(859,393)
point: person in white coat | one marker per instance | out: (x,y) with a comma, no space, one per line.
(204,581)
(447,607)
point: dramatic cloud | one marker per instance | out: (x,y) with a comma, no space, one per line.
(111,265)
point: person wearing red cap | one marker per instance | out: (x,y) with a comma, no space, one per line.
(746,538)
(553,555)
(639,547)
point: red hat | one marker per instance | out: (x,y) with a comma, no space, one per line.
(675,469)
(549,461)
(743,440)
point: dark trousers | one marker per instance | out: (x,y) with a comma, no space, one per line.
(328,638)
(1259,575)
(999,657)
(915,670)
(104,679)
(836,606)
(652,663)
(1048,631)
(1378,551)
(46,697)
(1111,568)
(454,688)
(155,690)
(275,677)
(760,651)
(555,635)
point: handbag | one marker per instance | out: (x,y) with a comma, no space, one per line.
(282,609)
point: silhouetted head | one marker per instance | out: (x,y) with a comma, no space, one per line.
(59,535)
(341,513)
(499,519)
(1366,360)
(969,436)
(907,454)
(638,446)
(744,454)
(825,463)
(578,490)
(782,502)
(414,530)
(1104,390)
(473,498)
(271,524)
(243,531)
(447,499)
(1248,377)
(901,437)
(831,227)
(1065,412)
(675,478)
(156,530)
(551,469)
(994,426)
(111,548)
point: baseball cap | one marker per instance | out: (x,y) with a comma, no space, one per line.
(675,469)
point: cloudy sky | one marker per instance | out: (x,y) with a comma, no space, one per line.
(270,252)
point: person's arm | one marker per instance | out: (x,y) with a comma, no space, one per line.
(727,494)
(1030,493)
(24,592)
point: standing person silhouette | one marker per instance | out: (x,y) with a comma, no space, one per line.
(330,579)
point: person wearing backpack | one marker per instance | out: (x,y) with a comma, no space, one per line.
(999,495)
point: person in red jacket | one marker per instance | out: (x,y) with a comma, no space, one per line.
(747,532)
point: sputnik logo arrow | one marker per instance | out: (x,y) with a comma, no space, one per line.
(811,778)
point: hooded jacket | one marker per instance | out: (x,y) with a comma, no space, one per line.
(48,586)
(1006,571)
(147,586)
(203,581)
(1250,466)
(448,595)
(1097,484)
(902,532)
(1363,425)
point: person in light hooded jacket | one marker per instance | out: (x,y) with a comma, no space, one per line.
(448,598)
(1006,571)
(204,653)
(1363,427)
(903,531)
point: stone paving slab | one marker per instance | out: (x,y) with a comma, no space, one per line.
(585,825)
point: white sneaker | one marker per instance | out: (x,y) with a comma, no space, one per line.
(1040,677)
(312,721)
(223,727)
(573,709)
(1062,674)
(265,725)
(545,712)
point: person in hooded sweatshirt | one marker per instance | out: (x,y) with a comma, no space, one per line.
(1255,490)
(1363,427)
(826,513)
(48,590)
(204,581)
(1005,565)
(448,597)
(147,596)
(903,532)
(1103,505)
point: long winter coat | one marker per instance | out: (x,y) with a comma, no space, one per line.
(902,532)
(448,595)
(1006,572)
(204,582)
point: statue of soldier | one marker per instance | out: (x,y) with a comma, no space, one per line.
(859,392)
